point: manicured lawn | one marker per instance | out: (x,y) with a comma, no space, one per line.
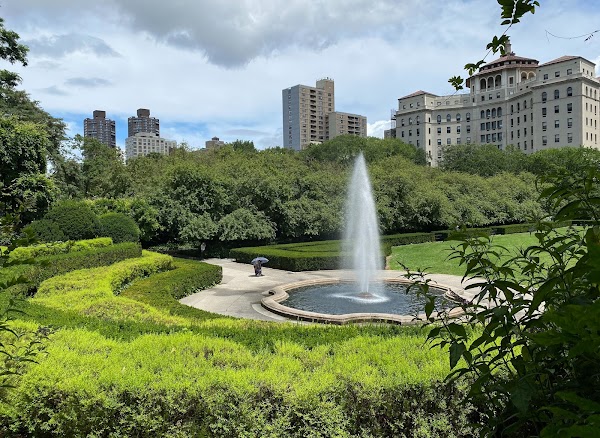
(434,257)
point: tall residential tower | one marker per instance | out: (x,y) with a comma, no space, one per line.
(309,116)
(143,123)
(100,128)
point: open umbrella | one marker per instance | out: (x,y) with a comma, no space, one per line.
(259,259)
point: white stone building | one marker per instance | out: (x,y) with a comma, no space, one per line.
(144,143)
(512,101)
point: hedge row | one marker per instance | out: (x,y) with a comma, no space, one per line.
(24,253)
(93,292)
(313,256)
(163,290)
(50,266)
(186,384)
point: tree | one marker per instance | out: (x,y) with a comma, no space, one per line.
(13,52)
(243,146)
(484,160)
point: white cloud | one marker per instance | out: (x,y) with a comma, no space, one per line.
(376,129)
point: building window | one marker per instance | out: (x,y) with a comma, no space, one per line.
(544,140)
(458,140)
(439,141)
(556,138)
(556,94)
(439,119)
(544,97)
(569,107)
(448,118)
(439,130)
(448,129)
(569,137)
(493,112)
(512,123)
(402,134)
(401,122)
(524,104)
(557,74)
(458,117)
(468,140)
(418,120)
(512,109)
(482,114)
(468,129)
(468,117)
(499,124)
(488,113)
(487,126)
(410,120)
(418,132)
(493,137)
(518,121)
(544,126)
(518,106)
(410,132)
(543,112)
(494,125)
(524,132)
(556,124)
(569,71)
(458,129)
(448,141)
(525,118)
(482,138)
(482,97)
(545,76)
(525,145)
(569,122)
(499,136)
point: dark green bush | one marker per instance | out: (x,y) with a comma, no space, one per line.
(288,259)
(75,219)
(118,226)
(46,230)
(49,266)
(514,228)
(163,290)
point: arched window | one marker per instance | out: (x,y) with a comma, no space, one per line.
(482,114)
(418,120)
(488,113)
(569,91)
(544,96)
(490,82)
(482,84)
(518,106)
(458,117)
(493,112)
(439,118)
(523,76)
(498,81)
(556,94)
(525,104)
(410,120)
(531,75)
(468,116)
(512,109)
(448,118)
(499,111)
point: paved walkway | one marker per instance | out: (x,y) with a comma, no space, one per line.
(240,292)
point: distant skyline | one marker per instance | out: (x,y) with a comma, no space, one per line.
(217,67)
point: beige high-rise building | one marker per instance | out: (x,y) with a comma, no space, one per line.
(307,112)
(511,101)
(100,128)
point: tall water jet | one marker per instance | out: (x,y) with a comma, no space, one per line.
(361,235)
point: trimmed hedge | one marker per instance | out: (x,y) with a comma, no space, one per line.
(118,226)
(49,266)
(92,292)
(24,253)
(163,290)
(46,230)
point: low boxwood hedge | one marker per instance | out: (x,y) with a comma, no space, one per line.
(24,253)
(49,266)
(163,290)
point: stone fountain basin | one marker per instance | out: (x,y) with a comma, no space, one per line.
(274,302)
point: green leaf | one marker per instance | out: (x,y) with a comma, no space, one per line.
(456,351)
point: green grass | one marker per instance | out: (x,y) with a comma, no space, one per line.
(434,257)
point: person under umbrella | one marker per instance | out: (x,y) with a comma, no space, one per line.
(257,262)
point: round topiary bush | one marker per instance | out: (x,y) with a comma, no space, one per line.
(46,230)
(75,219)
(119,226)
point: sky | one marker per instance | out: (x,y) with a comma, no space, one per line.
(217,67)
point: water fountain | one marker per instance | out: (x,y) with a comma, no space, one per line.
(360,296)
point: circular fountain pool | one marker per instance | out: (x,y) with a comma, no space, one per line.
(336,301)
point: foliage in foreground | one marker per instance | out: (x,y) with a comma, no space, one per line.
(534,366)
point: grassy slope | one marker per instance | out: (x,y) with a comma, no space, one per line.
(434,257)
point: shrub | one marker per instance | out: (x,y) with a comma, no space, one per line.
(75,219)
(46,230)
(92,291)
(24,253)
(118,226)
(50,266)
(162,290)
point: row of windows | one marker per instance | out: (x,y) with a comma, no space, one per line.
(557,109)
(557,94)
(458,117)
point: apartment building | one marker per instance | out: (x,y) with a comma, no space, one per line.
(308,113)
(143,123)
(144,143)
(511,101)
(100,128)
